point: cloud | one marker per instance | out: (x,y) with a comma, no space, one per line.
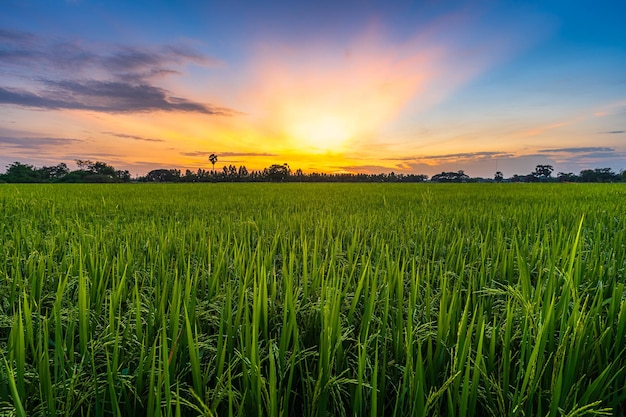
(603,155)
(365,169)
(104,96)
(36,142)
(227,154)
(23,49)
(578,150)
(35,150)
(246,154)
(134,137)
(543,129)
(115,79)
(463,155)
(614,132)
(611,109)
(145,63)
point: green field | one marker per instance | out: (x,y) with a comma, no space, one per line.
(313,299)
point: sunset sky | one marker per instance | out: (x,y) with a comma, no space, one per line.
(334,86)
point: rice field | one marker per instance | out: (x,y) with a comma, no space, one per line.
(313,300)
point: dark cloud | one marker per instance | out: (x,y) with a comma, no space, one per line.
(60,75)
(578,150)
(614,132)
(247,154)
(26,99)
(133,137)
(226,154)
(131,62)
(36,142)
(464,155)
(22,49)
(602,155)
(364,168)
(104,96)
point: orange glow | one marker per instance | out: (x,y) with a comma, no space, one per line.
(324,106)
(321,99)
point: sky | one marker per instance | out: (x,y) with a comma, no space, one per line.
(324,86)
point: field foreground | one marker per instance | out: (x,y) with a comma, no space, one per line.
(313,299)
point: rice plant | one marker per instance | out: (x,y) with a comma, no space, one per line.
(313,299)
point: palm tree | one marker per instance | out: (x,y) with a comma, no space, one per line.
(213,159)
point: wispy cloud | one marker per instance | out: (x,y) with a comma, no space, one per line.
(227,154)
(133,137)
(141,63)
(36,142)
(578,150)
(603,155)
(104,96)
(365,169)
(618,107)
(116,79)
(36,150)
(456,156)
(543,129)
(614,132)
(56,57)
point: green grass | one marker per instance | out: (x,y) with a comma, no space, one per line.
(313,299)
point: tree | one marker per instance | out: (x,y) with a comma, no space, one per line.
(242,173)
(203,175)
(18,172)
(278,172)
(459,176)
(164,175)
(96,168)
(567,177)
(599,175)
(498,177)
(53,173)
(543,171)
(213,159)
(123,175)
(95,172)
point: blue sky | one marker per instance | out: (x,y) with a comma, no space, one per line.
(357,86)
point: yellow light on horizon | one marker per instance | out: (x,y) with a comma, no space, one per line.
(325,133)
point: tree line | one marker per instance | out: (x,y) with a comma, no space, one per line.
(100,172)
(88,171)
(274,173)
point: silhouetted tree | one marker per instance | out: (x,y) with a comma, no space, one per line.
(189,176)
(242,173)
(599,175)
(213,159)
(18,172)
(458,176)
(53,173)
(278,172)
(567,177)
(543,172)
(498,177)
(163,175)
(95,172)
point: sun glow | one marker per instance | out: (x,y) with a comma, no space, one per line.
(320,133)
